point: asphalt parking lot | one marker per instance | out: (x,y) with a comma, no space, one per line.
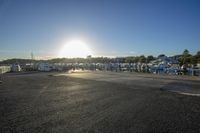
(101,102)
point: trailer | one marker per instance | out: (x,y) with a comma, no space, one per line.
(44,67)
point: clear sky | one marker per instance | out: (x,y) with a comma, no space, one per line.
(108,27)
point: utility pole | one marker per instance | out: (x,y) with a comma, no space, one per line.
(31,64)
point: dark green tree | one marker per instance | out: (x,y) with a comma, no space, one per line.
(186,58)
(142,59)
(150,58)
(185,52)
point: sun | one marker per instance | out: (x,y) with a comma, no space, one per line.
(75,48)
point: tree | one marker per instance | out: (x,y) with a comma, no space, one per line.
(128,60)
(136,59)
(185,52)
(150,58)
(161,55)
(193,60)
(142,59)
(198,53)
(198,56)
(186,58)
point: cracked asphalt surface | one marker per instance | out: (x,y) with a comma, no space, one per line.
(100,102)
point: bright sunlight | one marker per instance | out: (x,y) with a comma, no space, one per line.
(75,48)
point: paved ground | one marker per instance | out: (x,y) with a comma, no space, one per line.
(98,102)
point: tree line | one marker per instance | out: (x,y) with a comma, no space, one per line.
(189,59)
(184,59)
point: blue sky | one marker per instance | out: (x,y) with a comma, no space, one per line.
(109,27)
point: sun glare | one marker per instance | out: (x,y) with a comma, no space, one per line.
(75,48)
